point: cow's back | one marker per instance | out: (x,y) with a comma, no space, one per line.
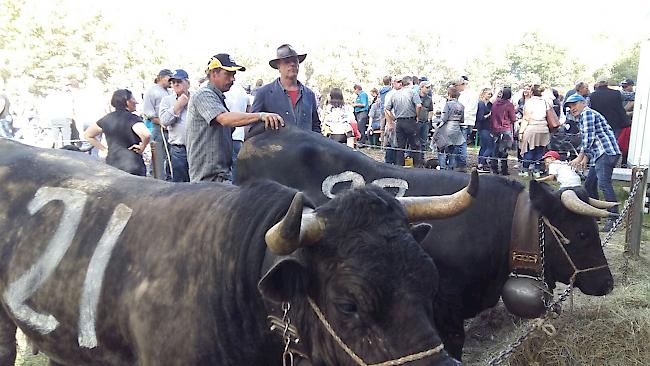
(96,263)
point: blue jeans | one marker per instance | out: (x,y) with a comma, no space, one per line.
(487,147)
(462,158)
(534,155)
(600,178)
(449,158)
(180,167)
(423,134)
(236,146)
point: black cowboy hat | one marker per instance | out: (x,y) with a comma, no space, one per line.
(286,51)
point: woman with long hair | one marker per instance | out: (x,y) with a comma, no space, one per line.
(337,119)
(483,130)
(502,118)
(448,137)
(534,134)
(126,134)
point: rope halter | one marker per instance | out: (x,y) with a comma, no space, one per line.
(562,242)
(357,359)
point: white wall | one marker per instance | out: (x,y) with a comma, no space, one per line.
(639,154)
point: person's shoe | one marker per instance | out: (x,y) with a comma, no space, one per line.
(523,174)
(608,226)
(537,175)
(482,169)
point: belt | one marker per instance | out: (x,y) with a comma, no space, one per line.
(178,145)
(405,117)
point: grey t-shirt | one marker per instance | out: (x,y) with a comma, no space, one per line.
(403,103)
(152,98)
(209,144)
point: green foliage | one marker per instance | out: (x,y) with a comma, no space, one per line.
(627,65)
(535,60)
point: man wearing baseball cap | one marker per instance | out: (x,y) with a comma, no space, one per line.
(210,124)
(287,96)
(599,150)
(151,110)
(173,116)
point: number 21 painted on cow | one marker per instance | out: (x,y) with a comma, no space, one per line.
(25,286)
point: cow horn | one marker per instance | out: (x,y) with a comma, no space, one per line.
(602,204)
(573,203)
(438,207)
(299,226)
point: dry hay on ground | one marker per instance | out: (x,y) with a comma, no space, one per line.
(612,330)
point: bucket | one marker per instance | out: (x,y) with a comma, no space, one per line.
(408,162)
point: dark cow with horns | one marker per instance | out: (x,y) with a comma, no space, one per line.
(98,267)
(475,251)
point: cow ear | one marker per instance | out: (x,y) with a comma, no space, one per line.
(284,281)
(420,231)
(542,198)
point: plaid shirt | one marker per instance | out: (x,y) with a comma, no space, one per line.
(597,136)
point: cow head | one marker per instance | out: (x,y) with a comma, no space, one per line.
(571,212)
(359,262)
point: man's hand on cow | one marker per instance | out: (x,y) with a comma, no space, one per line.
(272,120)
(139,148)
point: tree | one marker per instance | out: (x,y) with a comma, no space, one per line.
(535,60)
(626,66)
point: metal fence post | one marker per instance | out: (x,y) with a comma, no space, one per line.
(635,213)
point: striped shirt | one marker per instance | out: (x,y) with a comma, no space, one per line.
(209,144)
(597,136)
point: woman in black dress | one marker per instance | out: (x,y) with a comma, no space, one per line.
(126,134)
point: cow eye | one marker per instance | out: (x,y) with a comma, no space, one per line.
(347,308)
(582,235)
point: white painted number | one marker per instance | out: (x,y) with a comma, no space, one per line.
(357,180)
(23,288)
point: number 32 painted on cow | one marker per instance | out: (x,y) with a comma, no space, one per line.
(24,287)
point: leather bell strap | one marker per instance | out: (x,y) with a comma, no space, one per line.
(524,237)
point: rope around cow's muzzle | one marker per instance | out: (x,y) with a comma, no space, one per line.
(562,241)
(357,359)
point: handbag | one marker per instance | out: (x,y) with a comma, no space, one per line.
(551,118)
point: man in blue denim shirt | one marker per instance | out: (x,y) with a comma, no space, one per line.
(599,150)
(287,96)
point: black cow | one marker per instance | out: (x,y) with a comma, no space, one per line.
(472,251)
(99,267)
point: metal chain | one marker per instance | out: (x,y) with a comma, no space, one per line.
(626,207)
(542,244)
(287,355)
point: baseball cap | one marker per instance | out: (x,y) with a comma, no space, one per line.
(424,78)
(574,98)
(552,154)
(627,82)
(425,83)
(180,74)
(165,72)
(602,79)
(224,61)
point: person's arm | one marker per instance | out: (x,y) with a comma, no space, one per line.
(418,109)
(91,134)
(140,129)
(167,114)
(445,113)
(181,102)
(315,118)
(588,135)
(548,178)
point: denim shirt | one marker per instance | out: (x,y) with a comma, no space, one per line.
(274,99)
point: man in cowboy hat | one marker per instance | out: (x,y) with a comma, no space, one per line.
(210,124)
(287,96)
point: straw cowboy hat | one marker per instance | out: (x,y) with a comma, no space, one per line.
(286,51)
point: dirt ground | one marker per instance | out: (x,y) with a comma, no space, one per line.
(490,332)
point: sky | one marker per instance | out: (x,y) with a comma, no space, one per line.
(594,32)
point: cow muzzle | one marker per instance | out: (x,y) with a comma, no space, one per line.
(439,207)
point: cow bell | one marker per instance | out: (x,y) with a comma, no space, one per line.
(525,297)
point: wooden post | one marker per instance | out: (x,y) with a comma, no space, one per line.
(635,213)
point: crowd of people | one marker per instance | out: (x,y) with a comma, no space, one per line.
(198,134)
